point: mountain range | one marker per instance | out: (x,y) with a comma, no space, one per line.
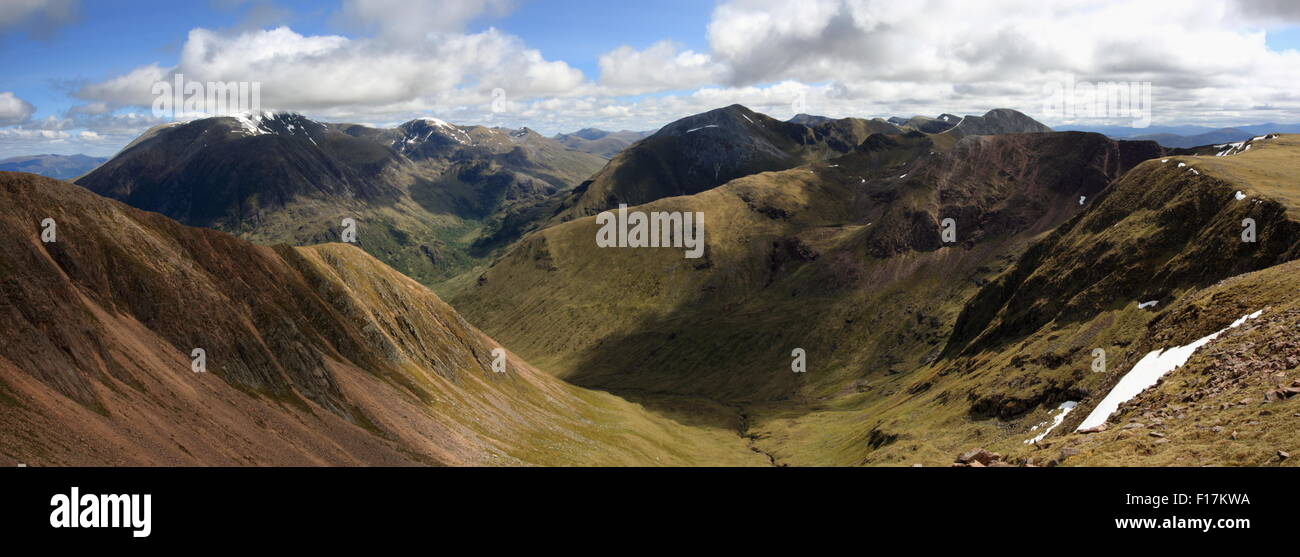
(1189,136)
(877,291)
(63,167)
(600,142)
(432,198)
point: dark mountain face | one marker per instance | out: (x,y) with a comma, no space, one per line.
(703,151)
(706,150)
(430,197)
(62,167)
(230,172)
(926,124)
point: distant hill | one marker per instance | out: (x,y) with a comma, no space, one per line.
(809,119)
(1175,132)
(706,150)
(62,167)
(429,198)
(995,122)
(1225,135)
(600,142)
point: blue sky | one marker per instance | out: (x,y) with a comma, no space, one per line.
(42,69)
(568,64)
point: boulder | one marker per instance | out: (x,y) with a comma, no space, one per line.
(980,455)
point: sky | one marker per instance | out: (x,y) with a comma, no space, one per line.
(80,76)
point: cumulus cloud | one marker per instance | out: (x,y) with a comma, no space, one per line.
(663,66)
(1201,56)
(14,110)
(321,72)
(1207,60)
(1271,11)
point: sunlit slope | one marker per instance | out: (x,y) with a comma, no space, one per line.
(1233,403)
(318,355)
(1026,342)
(844,259)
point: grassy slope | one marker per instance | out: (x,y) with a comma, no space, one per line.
(993,395)
(812,257)
(1211,411)
(318,355)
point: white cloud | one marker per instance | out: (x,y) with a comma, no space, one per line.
(300,72)
(1207,60)
(663,66)
(14,110)
(130,88)
(20,133)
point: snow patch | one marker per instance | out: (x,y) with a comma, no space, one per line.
(1059,417)
(252,123)
(1082,198)
(437,122)
(693,130)
(1148,372)
(1240,196)
(1150,304)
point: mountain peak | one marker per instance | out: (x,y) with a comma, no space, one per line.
(266,122)
(996,122)
(729,119)
(809,119)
